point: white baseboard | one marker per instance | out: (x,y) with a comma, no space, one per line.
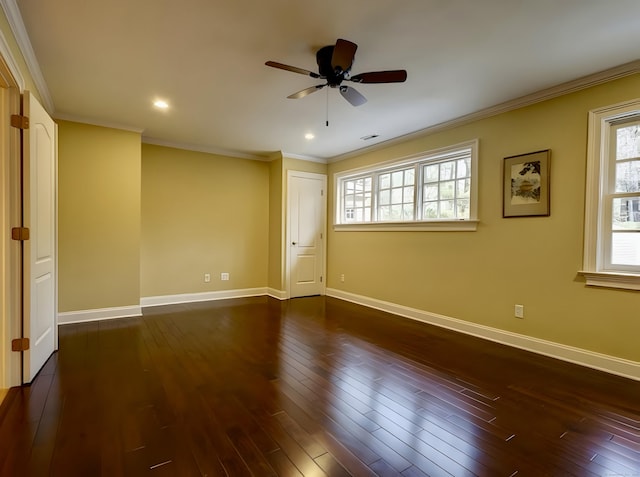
(601,362)
(205,296)
(83,316)
(129,311)
(277,294)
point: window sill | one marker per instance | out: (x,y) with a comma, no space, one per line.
(430,226)
(626,281)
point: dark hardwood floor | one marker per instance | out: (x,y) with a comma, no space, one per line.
(310,387)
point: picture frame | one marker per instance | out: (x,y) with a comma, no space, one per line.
(526,185)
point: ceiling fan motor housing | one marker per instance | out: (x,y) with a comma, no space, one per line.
(325,66)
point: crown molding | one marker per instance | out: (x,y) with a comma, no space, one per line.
(562,89)
(12,12)
(16,75)
(302,157)
(92,122)
(206,149)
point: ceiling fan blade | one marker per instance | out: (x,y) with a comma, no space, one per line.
(295,69)
(306,91)
(343,54)
(393,76)
(351,95)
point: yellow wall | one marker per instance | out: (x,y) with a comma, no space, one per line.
(276,225)
(479,276)
(98,217)
(202,213)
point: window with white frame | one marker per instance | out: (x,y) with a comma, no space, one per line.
(432,190)
(612,220)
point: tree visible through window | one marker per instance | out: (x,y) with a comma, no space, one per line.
(612,220)
(430,187)
(625,223)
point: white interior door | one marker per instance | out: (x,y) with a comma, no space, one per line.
(307,231)
(39,158)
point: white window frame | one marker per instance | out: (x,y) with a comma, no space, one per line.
(596,269)
(434,156)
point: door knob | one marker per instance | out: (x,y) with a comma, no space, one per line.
(294,243)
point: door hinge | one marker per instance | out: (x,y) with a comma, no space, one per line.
(20,122)
(20,233)
(320,279)
(20,344)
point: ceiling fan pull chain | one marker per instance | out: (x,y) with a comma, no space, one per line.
(327,110)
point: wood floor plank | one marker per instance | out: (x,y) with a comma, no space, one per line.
(310,387)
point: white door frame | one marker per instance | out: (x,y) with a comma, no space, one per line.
(287,242)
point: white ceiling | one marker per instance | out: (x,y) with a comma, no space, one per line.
(105,61)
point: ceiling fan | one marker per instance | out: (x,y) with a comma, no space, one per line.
(334,66)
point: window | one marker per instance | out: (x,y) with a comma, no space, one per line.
(612,222)
(435,190)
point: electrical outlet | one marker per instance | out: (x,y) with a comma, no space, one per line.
(207,277)
(519,311)
(224,276)
(342,278)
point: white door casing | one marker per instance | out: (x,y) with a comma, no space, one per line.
(39,254)
(306,233)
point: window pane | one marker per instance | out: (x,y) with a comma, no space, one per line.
(396,212)
(431,173)
(407,212)
(463,168)
(463,209)
(409,176)
(628,176)
(625,249)
(431,192)
(626,213)
(408,195)
(349,201)
(385,197)
(367,184)
(462,188)
(397,178)
(349,187)
(447,190)
(446,171)
(628,142)
(447,209)
(384,213)
(396,196)
(430,210)
(385,181)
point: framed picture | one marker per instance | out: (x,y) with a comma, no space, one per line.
(525,190)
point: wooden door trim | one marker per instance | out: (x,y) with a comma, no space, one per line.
(10,216)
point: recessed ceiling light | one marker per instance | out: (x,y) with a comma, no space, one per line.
(161,104)
(309,136)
